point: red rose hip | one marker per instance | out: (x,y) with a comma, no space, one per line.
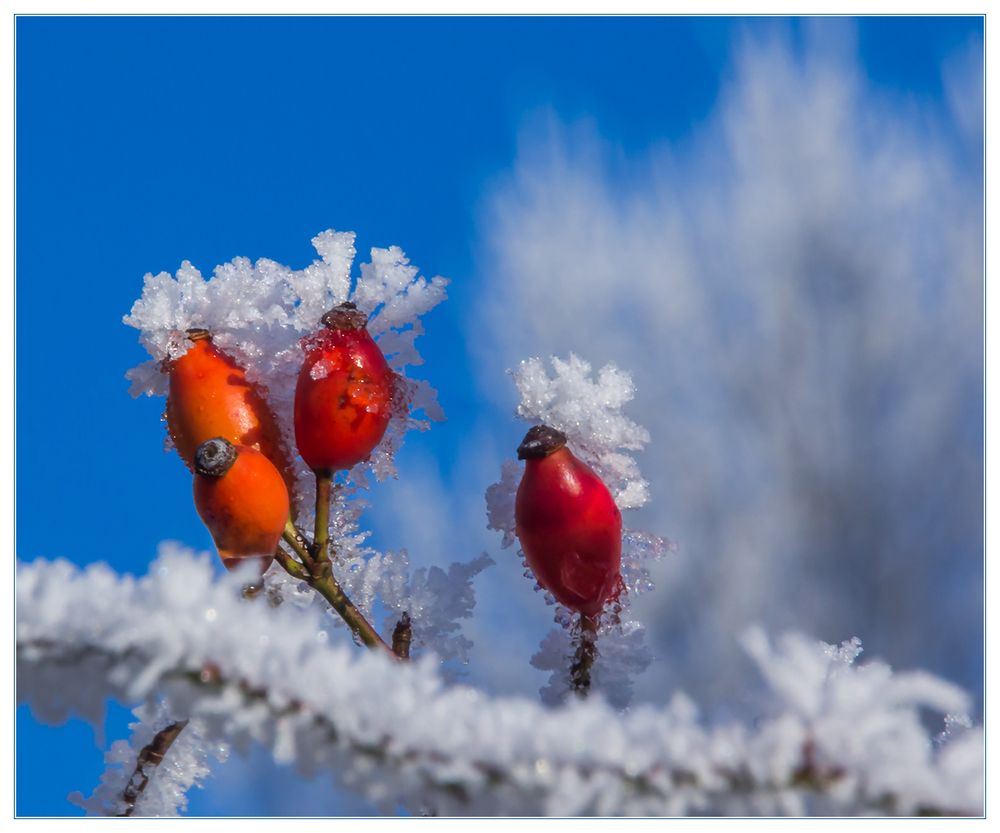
(343,398)
(568,524)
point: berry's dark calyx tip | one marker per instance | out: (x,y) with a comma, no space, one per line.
(215,457)
(540,442)
(198,334)
(345,316)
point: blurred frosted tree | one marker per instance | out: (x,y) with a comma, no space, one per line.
(797,287)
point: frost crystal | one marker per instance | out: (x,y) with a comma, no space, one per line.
(435,599)
(846,652)
(833,738)
(588,412)
(500,501)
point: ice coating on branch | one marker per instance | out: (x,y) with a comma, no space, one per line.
(258,312)
(832,738)
(185,765)
(588,410)
(785,670)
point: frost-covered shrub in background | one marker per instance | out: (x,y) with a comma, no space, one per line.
(274,670)
(796,286)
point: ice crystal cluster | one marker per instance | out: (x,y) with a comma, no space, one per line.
(588,411)
(836,737)
(258,313)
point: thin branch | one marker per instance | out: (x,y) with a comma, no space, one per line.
(328,587)
(297,541)
(290,565)
(319,575)
(150,756)
(586,653)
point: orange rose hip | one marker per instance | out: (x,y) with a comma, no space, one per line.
(242,499)
(343,397)
(210,396)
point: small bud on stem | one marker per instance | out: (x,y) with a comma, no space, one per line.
(402,635)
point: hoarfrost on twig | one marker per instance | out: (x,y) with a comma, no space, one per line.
(155,784)
(842,739)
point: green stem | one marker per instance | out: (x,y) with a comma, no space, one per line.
(291,566)
(319,576)
(296,540)
(328,587)
(321,536)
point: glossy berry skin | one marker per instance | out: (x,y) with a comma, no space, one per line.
(568,524)
(210,396)
(245,507)
(343,398)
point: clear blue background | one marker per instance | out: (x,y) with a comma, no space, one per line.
(145,141)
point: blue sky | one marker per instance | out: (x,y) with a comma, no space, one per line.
(142,142)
